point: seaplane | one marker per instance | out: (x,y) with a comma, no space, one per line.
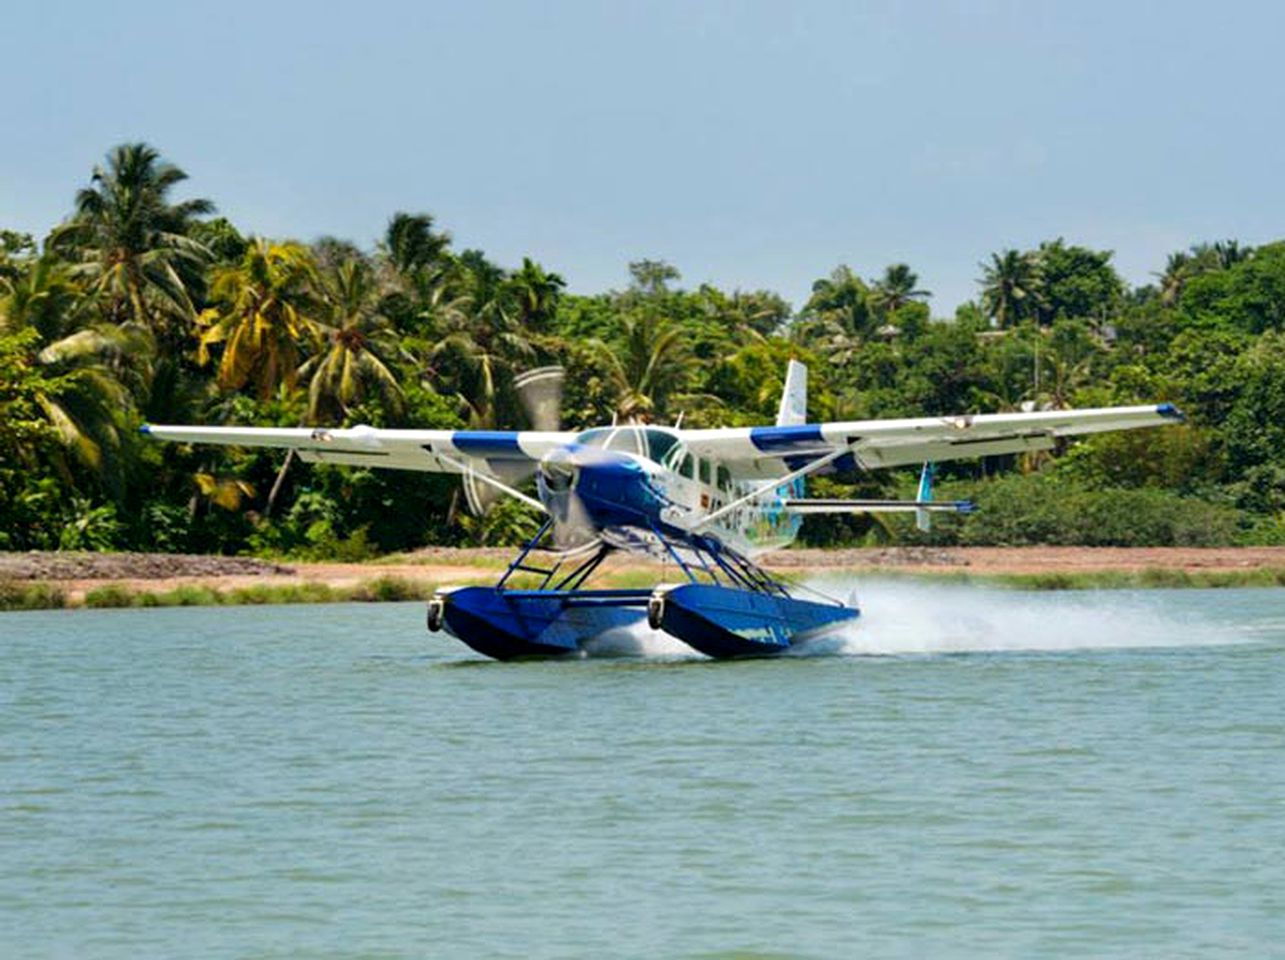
(707,501)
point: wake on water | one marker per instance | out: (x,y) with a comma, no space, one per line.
(908,619)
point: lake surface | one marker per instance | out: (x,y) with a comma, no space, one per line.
(971,773)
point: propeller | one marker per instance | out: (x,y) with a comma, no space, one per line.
(539,391)
(559,473)
(481,496)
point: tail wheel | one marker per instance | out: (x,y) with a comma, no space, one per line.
(655,611)
(436,614)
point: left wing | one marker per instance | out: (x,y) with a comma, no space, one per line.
(490,452)
(870,444)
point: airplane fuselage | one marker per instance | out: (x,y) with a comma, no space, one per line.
(612,476)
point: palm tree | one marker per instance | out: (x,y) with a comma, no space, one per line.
(131,243)
(265,312)
(1012,287)
(477,353)
(44,296)
(1178,267)
(536,291)
(746,316)
(1229,253)
(480,342)
(17,250)
(896,289)
(351,365)
(411,244)
(648,366)
(650,278)
(837,319)
(87,409)
(85,371)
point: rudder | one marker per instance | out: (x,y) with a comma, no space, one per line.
(793,411)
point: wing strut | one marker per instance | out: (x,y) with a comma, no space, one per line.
(500,485)
(917,507)
(773,485)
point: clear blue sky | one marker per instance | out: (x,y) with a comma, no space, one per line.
(750,144)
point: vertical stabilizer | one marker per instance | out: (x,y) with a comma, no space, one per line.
(923,519)
(794,398)
(793,412)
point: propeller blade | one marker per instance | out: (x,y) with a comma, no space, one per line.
(481,496)
(540,393)
(574,531)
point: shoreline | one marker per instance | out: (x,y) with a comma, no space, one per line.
(30,581)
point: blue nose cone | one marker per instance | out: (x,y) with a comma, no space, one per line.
(612,488)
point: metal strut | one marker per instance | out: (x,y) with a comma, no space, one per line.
(570,581)
(741,570)
(711,559)
(517,563)
(737,569)
(682,565)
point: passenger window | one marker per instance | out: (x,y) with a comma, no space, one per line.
(704,471)
(687,467)
(724,478)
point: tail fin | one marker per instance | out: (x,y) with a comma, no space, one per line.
(794,398)
(793,412)
(923,519)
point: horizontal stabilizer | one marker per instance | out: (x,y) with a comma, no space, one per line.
(878,506)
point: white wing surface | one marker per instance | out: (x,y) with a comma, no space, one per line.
(768,451)
(433,451)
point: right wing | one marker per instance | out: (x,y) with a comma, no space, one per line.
(870,444)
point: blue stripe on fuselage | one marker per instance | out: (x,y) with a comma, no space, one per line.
(502,444)
(784,439)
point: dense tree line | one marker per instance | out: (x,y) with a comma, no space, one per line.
(141,307)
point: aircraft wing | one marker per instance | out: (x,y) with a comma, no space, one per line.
(433,451)
(768,451)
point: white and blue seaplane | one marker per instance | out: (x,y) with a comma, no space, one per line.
(707,500)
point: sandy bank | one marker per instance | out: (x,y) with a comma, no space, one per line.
(76,574)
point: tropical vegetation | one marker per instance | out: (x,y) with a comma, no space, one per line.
(145,305)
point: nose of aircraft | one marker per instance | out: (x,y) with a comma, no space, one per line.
(606,482)
(558,471)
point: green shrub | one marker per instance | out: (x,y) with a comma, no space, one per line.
(191,595)
(110,595)
(264,593)
(16,595)
(389,590)
(1033,509)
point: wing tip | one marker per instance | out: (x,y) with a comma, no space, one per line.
(145,429)
(1171,412)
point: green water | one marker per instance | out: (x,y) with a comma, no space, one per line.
(1000,774)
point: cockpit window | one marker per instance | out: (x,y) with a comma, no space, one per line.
(596,437)
(659,444)
(648,442)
